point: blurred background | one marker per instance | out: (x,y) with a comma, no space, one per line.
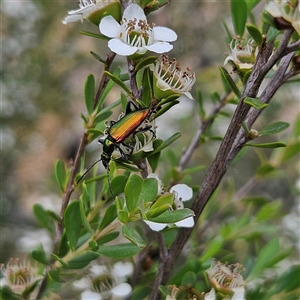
(44,66)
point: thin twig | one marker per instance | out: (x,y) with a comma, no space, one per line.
(205,124)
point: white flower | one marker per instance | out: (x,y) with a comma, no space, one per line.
(225,277)
(288,10)
(243,57)
(135,35)
(182,193)
(93,10)
(104,283)
(19,275)
(170,79)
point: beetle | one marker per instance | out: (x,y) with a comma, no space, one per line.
(119,131)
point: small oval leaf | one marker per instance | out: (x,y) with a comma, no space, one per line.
(132,191)
(60,174)
(89,90)
(255,34)
(227,78)
(133,236)
(274,128)
(120,250)
(239,11)
(255,102)
(72,220)
(267,145)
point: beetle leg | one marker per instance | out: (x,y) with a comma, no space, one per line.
(123,155)
(128,108)
(144,129)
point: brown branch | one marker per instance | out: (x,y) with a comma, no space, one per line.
(227,151)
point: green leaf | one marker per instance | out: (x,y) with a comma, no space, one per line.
(64,246)
(123,215)
(118,81)
(164,109)
(189,279)
(109,216)
(227,78)
(265,169)
(199,99)
(84,219)
(291,150)
(255,102)
(269,211)
(103,115)
(39,255)
(94,35)
(272,34)
(289,279)
(155,212)
(239,12)
(118,184)
(251,4)
(63,263)
(145,62)
(7,294)
(60,174)
(267,145)
(212,248)
(54,275)
(132,191)
(30,288)
(140,292)
(240,154)
(43,218)
(263,258)
(274,128)
(120,250)
(153,159)
(147,86)
(167,142)
(164,199)
(149,190)
(255,34)
(89,93)
(82,260)
(170,217)
(108,238)
(107,89)
(133,236)
(72,220)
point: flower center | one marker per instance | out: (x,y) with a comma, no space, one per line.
(136,33)
(85,3)
(171,73)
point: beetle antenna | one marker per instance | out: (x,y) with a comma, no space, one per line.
(88,170)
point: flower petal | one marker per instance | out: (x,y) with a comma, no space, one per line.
(74,18)
(160,47)
(122,270)
(155,226)
(120,48)
(184,191)
(84,10)
(121,290)
(110,27)
(164,34)
(90,295)
(187,223)
(239,293)
(134,11)
(211,295)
